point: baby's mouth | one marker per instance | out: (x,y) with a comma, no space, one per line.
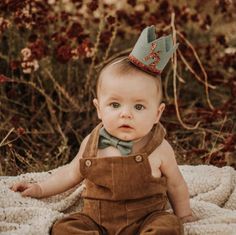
(126,127)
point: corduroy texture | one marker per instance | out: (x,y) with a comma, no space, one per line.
(121,178)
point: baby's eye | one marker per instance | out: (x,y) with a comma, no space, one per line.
(115,105)
(139,106)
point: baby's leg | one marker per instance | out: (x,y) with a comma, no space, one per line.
(77,223)
(161,223)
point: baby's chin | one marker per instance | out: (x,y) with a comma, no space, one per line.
(127,137)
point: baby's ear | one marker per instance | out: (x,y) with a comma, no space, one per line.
(96,104)
(160,110)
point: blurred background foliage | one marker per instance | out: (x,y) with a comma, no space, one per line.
(50,55)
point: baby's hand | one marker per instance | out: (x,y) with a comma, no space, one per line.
(27,189)
(188,219)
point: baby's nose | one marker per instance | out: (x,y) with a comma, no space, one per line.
(126,113)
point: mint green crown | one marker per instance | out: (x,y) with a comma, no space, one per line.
(152,54)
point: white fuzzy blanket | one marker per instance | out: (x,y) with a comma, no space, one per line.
(212,190)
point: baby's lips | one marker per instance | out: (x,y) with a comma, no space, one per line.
(126,126)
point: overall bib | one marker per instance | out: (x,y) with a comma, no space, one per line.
(121,196)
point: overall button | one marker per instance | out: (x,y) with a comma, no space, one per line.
(138,158)
(88,163)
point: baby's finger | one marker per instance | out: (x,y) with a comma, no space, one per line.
(14,187)
(190,219)
(21,186)
(26,193)
(29,192)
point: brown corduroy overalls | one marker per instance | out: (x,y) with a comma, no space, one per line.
(121,196)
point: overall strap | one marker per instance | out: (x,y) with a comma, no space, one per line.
(91,146)
(157,135)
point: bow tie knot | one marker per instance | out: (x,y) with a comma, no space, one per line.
(106,140)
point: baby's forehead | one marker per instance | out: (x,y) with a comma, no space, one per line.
(124,84)
(113,73)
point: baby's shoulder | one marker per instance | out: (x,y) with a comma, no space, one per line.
(84,143)
(164,150)
(85,140)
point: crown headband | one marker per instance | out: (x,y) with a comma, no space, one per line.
(152,54)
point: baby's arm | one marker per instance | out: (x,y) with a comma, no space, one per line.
(176,186)
(63,179)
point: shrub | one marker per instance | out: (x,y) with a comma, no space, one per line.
(50,55)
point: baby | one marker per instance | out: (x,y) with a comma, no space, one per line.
(129,168)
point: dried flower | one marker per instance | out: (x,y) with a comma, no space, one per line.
(75,30)
(4,24)
(195,17)
(105,37)
(3,78)
(223,4)
(230,50)
(26,53)
(75,54)
(206,23)
(14,5)
(14,64)
(20,130)
(29,66)
(111,20)
(38,49)
(63,54)
(33,38)
(83,50)
(93,5)
(221,39)
(132,2)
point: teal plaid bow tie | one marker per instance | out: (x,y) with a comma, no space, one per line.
(106,140)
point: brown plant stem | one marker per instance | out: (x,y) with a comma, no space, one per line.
(91,67)
(192,71)
(62,91)
(201,66)
(114,33)
(213,150)
(174,79)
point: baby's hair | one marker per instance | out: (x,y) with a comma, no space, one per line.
(122,66)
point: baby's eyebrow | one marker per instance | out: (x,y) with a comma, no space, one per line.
(114,97)
(140,100)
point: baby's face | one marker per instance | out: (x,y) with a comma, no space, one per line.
(128,105)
